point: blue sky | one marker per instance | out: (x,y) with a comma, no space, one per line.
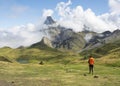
(18,12)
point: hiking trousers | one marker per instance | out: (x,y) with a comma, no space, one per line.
(91,69)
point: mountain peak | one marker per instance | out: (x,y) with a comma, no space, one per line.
(49,20)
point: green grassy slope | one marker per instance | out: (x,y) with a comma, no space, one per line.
(35,55)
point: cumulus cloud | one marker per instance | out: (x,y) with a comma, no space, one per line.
(114,6)
(47,12)
(113,17)
(23,35)
(64,8)
(76,17)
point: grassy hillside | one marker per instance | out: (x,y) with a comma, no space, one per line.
(35,55)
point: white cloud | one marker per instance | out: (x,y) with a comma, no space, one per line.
(64,8)
(8,39)
(20,35)
(88,37)
(76,18)
(114,6)
(47,12)
(113,17)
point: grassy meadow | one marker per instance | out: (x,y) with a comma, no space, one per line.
(58,74)
(20,67)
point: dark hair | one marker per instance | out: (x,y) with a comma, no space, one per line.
(90,56)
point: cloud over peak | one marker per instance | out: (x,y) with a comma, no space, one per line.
(47,12)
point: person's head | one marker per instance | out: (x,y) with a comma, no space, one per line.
(90,56)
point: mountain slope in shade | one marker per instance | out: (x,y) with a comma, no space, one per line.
(68,39)
(101,39)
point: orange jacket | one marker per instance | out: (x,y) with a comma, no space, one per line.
(91,61)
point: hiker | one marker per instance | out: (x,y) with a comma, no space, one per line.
(91,64)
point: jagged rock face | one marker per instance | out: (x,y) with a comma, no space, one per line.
(49,20)
(100,36)
(68,39)
(52,32)
(113,37)
(106,33)
(95,41)
(103,38)
(47,42)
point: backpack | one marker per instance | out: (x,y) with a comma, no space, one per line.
(91,61)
